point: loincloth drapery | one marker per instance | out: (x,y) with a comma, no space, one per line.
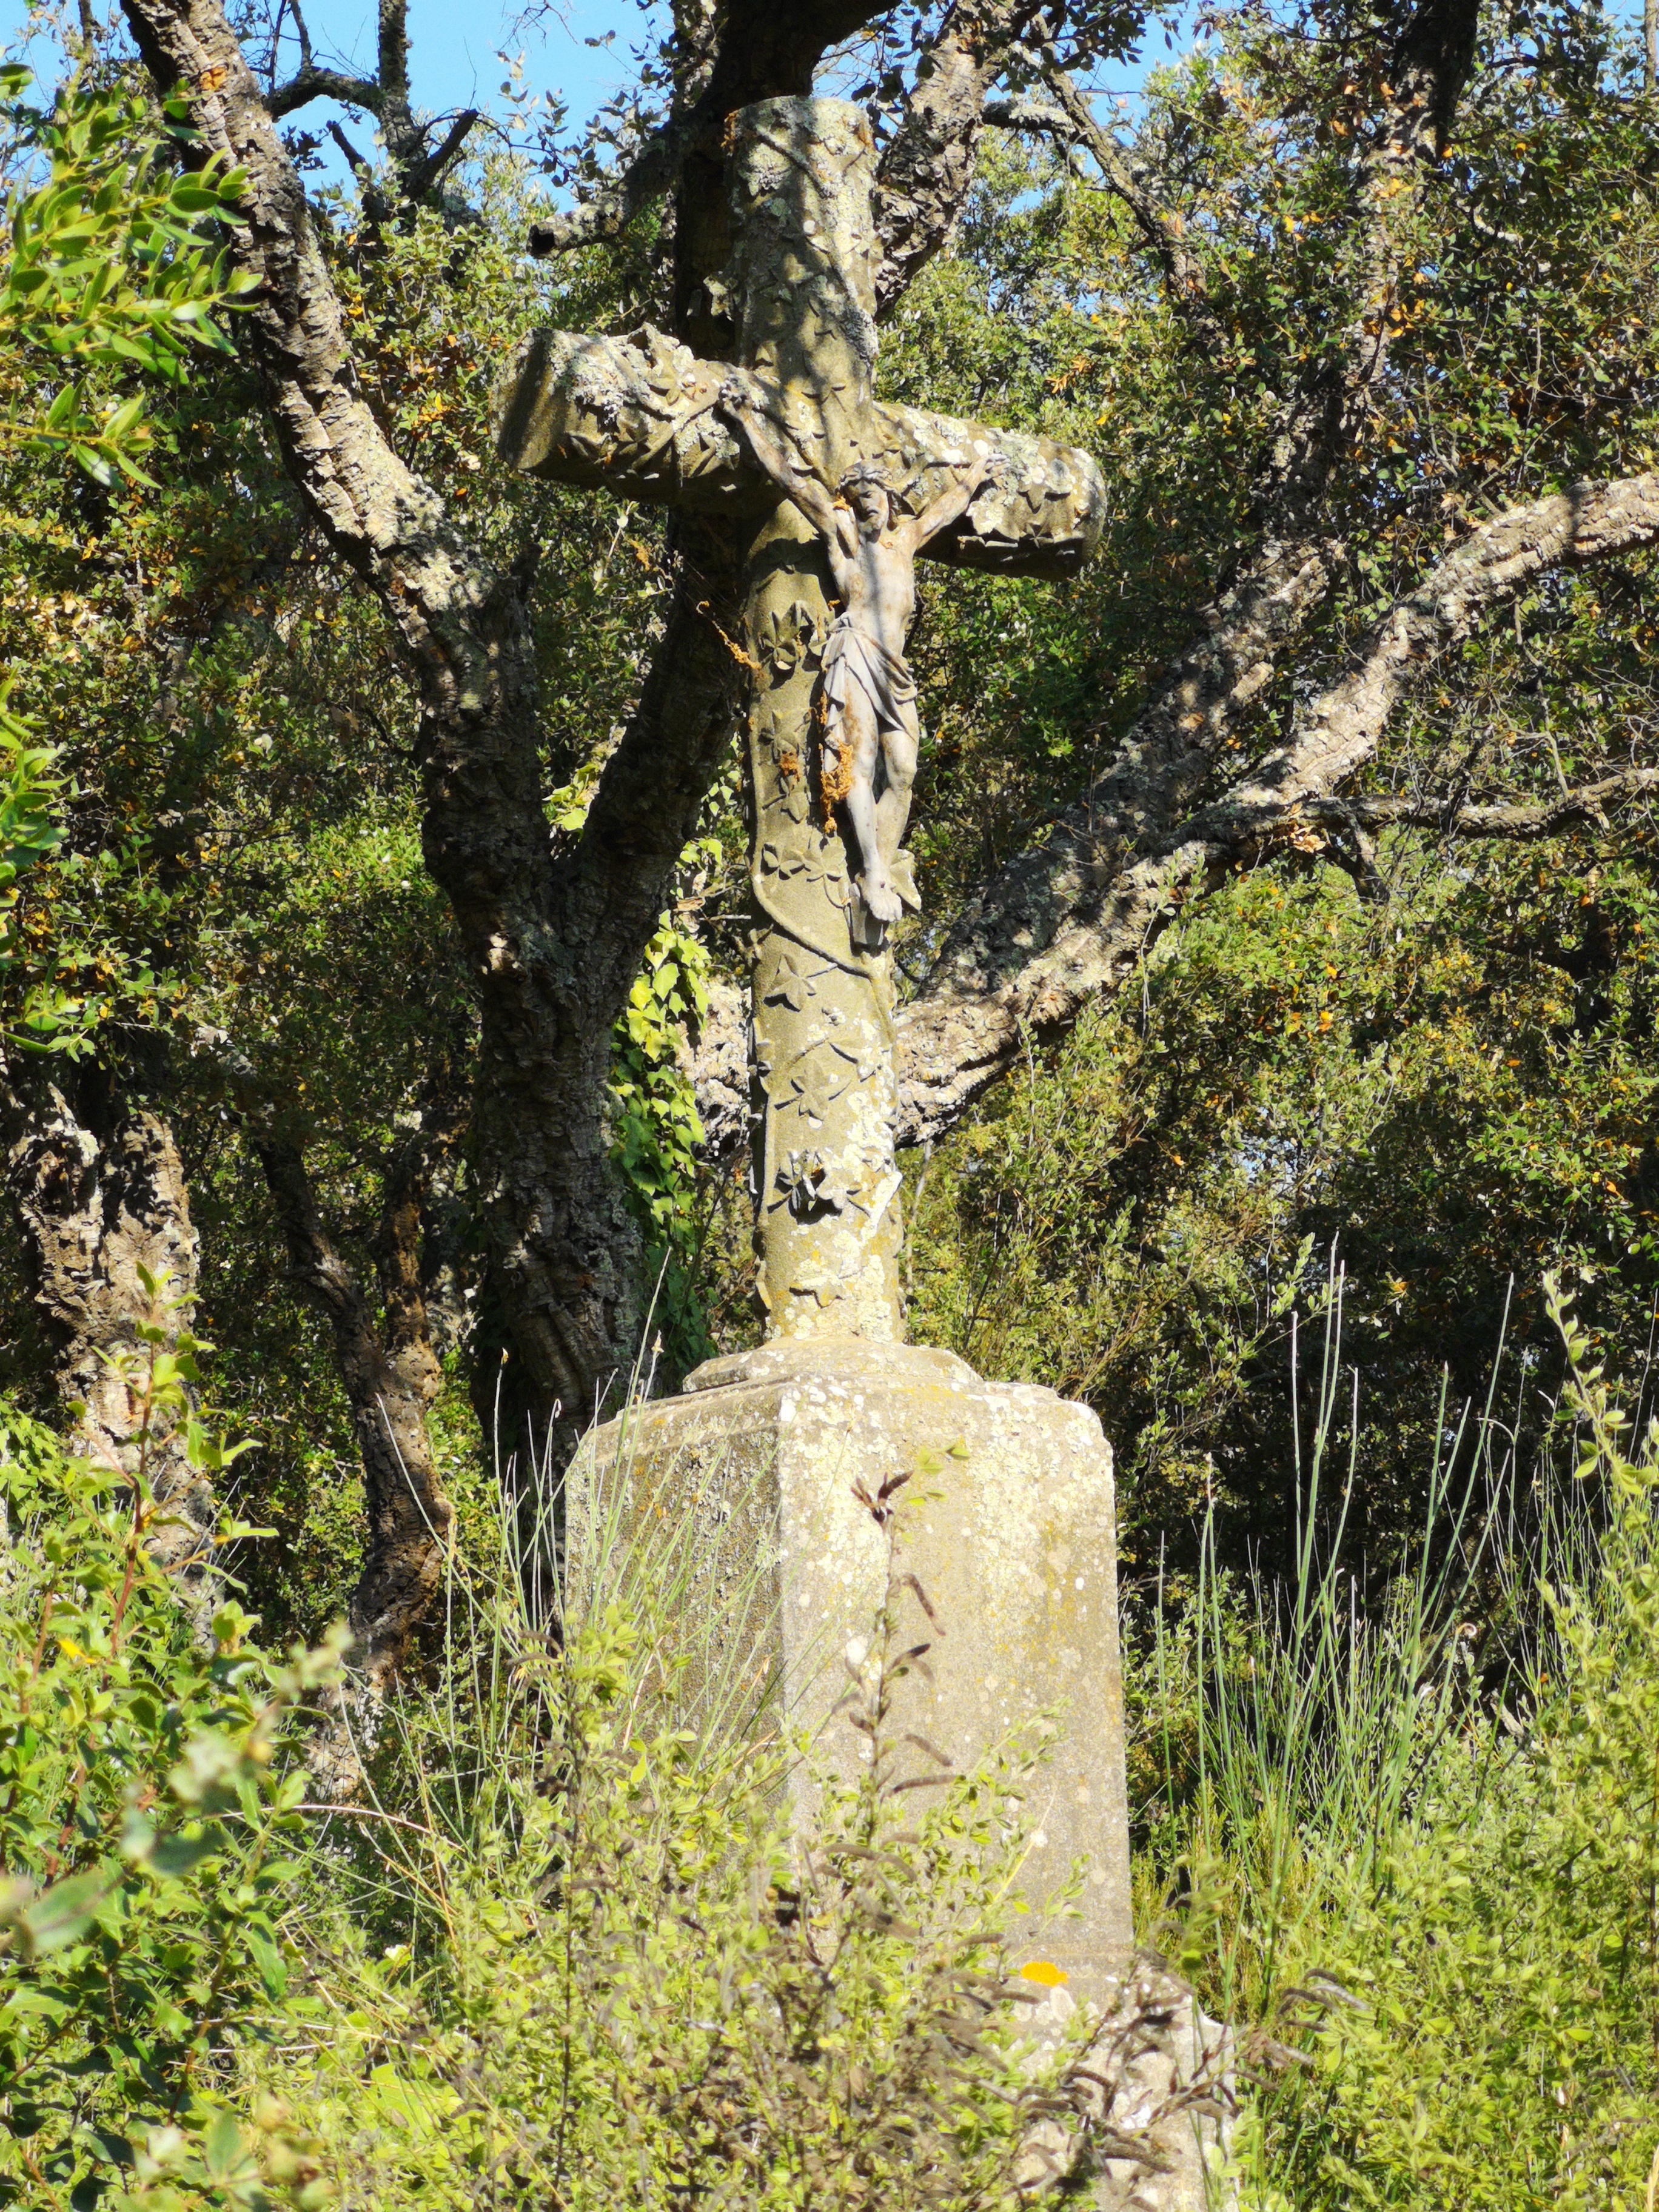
(851,655)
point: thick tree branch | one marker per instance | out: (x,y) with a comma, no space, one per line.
(1433,58)
(385,96)
(1129,176)
(653,171)
(424,173)
(355,161)
(404,142)
(391,1381)
(309,84)
(927,168)
(1425,75)
(1113,879)
(1454,817)
(1340,730)
(639,822)
(384,521)
(1157,774)
(763,50)
(101,1201)
(1027,110)
(389,1371)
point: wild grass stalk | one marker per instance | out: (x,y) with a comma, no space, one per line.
(1420,1840)
(1317,1712)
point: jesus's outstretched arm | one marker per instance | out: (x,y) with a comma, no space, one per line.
(953,504)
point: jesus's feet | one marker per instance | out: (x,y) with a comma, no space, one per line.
(877,890)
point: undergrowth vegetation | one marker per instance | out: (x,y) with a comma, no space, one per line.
(559,1951)
(610,1979)
(149,1828)
(558,1948)
(1420,1844)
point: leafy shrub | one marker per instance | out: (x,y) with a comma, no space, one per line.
(148,1820)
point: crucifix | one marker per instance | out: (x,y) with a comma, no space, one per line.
(835,494)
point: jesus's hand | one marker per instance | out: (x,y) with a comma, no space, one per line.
(740,395)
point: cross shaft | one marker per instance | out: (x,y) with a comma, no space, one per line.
(644,418)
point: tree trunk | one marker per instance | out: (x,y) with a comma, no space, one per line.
(391,1377)
(101,1198)
(553,950)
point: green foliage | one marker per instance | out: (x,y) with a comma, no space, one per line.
(655,1121)
(148,1821)
(109,264)
(656,1133)
(30,831)
(27,831)
(108,269)
(1430,1864)
(1450,1089)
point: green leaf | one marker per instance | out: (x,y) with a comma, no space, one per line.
(62,1914)
(190,197)
(178,1855)
(273,1970)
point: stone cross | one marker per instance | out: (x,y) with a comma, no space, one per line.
(771,438)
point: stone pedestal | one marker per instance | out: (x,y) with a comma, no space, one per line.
(1006,1521)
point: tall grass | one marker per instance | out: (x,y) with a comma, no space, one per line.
(454,1774)
(1418,1843)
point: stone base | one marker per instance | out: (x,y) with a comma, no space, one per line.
(1005,1519)
(1172,2086)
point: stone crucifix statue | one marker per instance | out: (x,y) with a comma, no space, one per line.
(867,694)
(835,495)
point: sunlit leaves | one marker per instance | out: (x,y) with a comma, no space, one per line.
(110,263)
(147,1817)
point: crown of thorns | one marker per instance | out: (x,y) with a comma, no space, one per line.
(866,473)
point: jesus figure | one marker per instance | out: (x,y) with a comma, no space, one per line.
(867,695)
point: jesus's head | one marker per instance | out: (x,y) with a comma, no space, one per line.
(865,491)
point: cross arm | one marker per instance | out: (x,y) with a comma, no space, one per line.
(743,404)
(637,417)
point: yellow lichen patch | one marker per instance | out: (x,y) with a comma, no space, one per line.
(838,774)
